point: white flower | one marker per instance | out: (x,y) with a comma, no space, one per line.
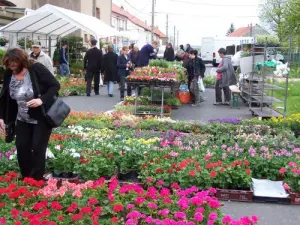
(57,147)
(75,155)
(49,154)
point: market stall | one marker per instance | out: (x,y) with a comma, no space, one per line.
(161,77)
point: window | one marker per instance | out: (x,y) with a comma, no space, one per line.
(114,22)
(98,13)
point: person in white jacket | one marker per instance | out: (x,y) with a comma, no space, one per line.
(41,56)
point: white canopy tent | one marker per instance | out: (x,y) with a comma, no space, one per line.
(52,21)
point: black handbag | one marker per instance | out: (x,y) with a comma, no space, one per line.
(58,111)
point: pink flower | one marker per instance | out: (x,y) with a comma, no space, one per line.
(282,170)
(130,206)
(200,210)
(198,217)
(175,186)
(180,215)
(226,220)
(292,164)
(77,194)
(254,219)
(215,204)
(173,154)
(135,215)
(160,183)
(213,216)
(149,180)
(152,205)
(139,200)
(164,212)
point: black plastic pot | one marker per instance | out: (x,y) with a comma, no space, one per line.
(297,134)
(129,176)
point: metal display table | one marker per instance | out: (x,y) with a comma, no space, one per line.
(155,84)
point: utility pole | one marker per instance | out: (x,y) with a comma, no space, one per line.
(153,14)
(174,36)
(167,28)
(177,39)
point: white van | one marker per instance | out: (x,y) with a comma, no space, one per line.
(211,45)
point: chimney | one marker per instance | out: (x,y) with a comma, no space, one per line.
(146,22)
(122,7)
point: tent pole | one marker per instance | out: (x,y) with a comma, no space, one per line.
(35,22)
(46,25)
(58,28)
(49,46)
(25,43)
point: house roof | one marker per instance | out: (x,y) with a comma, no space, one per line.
(118,10)
(240,32)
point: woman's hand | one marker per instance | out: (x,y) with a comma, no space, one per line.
(34,103)
(2,126)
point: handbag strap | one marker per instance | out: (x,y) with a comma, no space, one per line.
(37,87)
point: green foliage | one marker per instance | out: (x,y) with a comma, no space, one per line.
(3,41)
(21,42)
(75,47)
(270,40)
(159,63)
(231,29)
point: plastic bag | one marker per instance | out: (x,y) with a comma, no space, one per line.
(201,85)
(184,97)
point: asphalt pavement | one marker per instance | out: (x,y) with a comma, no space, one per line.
(269,214)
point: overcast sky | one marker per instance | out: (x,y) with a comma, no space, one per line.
(196,18)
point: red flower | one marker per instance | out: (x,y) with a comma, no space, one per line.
(213,174)
(221,170)
(118,208)
(56,206)
(18,223)
(282,170)
(192,173)
(86,210)
(15,213)
(248,171)
(76,217)
(159,170)
(21,202)
(96,223)
(93,201)
(2,204)
(60,218)
(114,220)
(207,157)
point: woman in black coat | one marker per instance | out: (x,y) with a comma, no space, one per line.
(22,108)
(110,70)
(169,54)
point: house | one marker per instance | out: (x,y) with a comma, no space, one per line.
(97,8)
(122,20)
(246,32)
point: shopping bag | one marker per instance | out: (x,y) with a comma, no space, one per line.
(184,97)
(201,85)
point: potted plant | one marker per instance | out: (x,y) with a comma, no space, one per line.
(56,57)
(173,102)
(291,181)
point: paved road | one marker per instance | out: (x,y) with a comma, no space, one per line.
(269,214)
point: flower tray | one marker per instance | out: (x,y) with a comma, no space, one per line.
(295,198)
(235,195)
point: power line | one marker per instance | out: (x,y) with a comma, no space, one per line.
(211,4)
(140,11)
(199,15)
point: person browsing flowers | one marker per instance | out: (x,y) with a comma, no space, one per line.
(22,109)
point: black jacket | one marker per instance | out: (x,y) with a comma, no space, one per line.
(196,68)
(122,62)
(110,70)
(48,87)
(169,54)
(63,56)
(93,60)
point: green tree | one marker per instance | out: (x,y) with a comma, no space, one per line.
(272,14)
(231,29)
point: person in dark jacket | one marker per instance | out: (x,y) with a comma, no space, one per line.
(196,69)
(64,61)
(124,66)
(146,53)
(169,54)
(134,55)
(28,91)
(188,48)
(181,47)
(92,65)
(110,70)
